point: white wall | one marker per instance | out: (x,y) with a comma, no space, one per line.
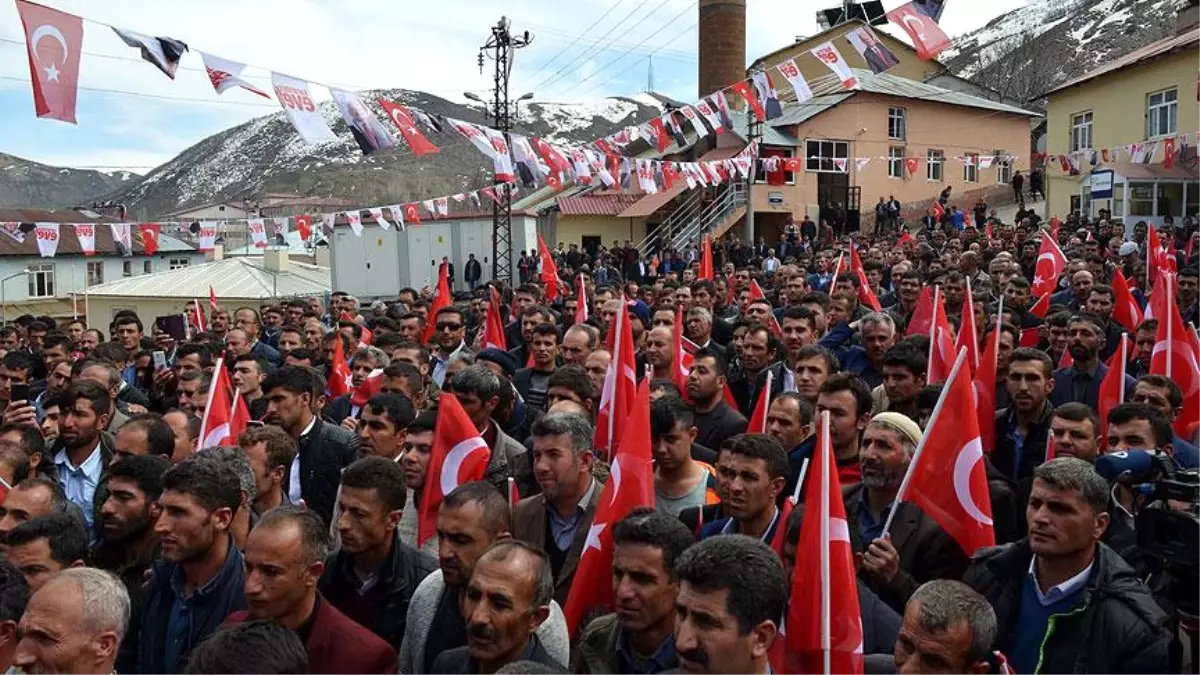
(69,273)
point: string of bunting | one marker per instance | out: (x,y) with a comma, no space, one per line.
(1180,148)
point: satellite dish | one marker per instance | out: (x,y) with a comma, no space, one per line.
(194,228)
(27,227)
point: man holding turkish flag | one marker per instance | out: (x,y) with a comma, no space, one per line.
(459,455)
(339,381)
(619,390)
(1051,263)
(1176,353)
(54,42)
(630,485)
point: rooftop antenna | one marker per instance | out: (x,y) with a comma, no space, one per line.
(650,74)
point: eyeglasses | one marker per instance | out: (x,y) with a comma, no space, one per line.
(449,326)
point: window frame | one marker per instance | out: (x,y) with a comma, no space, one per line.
(970,167)
(94,272)
(760,177)
(895,163)
(126,268)
(899,117)
(43,275)
(821,159)
(935,160)
(1080,127)
(177,263)
(1003,168)
(1169,108)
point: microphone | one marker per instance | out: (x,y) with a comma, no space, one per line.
(1135,466)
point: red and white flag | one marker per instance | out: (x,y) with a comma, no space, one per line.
(212,299)
(824,631)
(792,74)
(224,74)
(53,42)
(215,422)
(459,455)
(968,337)
(298,103)
(947,477)
(829,55)
(304,226)
(926,35)
(630,486)
(620,386)
(208,236)
(239,417)
(581,307)
(865,295)
(985,385)
(197,315)
(47,235)
(86,234)
(1112,387)
(707,271)
(493,325)
(441,298)
(941,346)
(1176,353)
(150,233)
(1126,310)
(340,380)
(549,273)
(690,113)
(758,419)
(1050,264)
(258,232)
(681,365)
(921,321)
(408,129)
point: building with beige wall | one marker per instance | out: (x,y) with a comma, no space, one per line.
(1149,94)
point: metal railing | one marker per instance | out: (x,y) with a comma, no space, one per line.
(699,213)
(683,214)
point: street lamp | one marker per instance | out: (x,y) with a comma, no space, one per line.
(23,273)
(471,96)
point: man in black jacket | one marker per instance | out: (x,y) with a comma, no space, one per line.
(1066,602)
(324,449)
(1023,427)
(372,578)
(473,272)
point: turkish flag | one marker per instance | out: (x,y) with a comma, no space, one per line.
(1050,264)
(865,295)
(549,275)
(922,317)
(338,382)
(630,486)
(937,210)
(681,365)
(620,387)
(758,419)
(1112,387)
(747,92)
(553,158)
(661,139)
(1041,307)
(926,35)
(459,455)
(212,299)
(304,225)
(911,164)
(905,239)
(150,233)
(1176,353)
(1030,337)
(215,422)
(707,271)
(941,347)
(53,41)
(826,615)
(985,387)
(968,337)
(441,298)
(239,418)
(369,388)
(581,306)
(412,213)
(958,498)
(1065,360)
(493,325)
(756,293)
(1168,153)
(400,116)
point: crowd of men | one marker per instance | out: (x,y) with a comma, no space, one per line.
(130,546)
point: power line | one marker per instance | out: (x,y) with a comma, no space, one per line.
(635,63)
(553,36)
(576,40)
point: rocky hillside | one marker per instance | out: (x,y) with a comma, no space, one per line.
(266,155)
(24,183)
(1033,48)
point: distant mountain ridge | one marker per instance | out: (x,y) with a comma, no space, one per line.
(29,184)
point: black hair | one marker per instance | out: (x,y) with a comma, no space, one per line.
(214,485)
(719,362)
(14,592)
(146,471)
(1079,412)
(853,384)
(1031,354)
(91,391)
(648,527)
(128,318)
(666,387)
(292,379)
(65,534)
(832,363)
(425,421)
(188,349)
(259,646)
(160,438)
(906,356)
(497,512)
(1174,393)
(398,408)
(745,567)
(355,329)
(547,329)
(574,378)
(19,360)
(1128,412)
(766,448)
(260,362)
(56,339)
(668,412)
(384,476)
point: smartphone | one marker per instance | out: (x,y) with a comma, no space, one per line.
(160,359)
(19,392)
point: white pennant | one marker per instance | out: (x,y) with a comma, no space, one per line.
(397,215)
(430,207)
(281,228)
(792,74)
(297,102)
(86,234)
(442,206)
(860,163)
(47,238)
(328,219)
(355,220)
(208,235)
(258,232)
(122,238)
(377,214)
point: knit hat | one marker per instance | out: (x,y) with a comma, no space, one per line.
(901,423)
(500,358)
(642,311)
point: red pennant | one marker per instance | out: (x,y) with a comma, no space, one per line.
(304,225)
(493,336)
(661,139)
(747,92)
(412,213)
(985,389)
(1112,387)
(1126,310)
(1051,262)
(620,387)
(911,164)
(339,381)
(706,260)
(549,275)
(441,298)
(53,42)
(400,116)
(1169,153)
(926,35)
(218,410)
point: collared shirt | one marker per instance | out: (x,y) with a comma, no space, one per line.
(663,658)
(563,529)
(440,365)
(79,482)
(294,495)
(179,621)
(868,527)
(1058,592)
(732,527)
(1081,380)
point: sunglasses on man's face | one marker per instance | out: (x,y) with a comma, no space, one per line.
(449,326)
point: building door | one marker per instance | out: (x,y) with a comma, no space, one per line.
(853,205)
(832,196)
(591,244)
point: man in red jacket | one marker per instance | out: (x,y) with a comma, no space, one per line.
(285,556)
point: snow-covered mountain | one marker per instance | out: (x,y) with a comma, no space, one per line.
(29,184)
(266,155)
(1033,48)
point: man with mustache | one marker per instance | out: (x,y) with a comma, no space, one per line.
(1023,427)
(1081,380)
(916,549)
(639,637)
(732,594)
(471,518)
(507,598)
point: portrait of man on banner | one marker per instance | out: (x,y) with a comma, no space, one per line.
(878,57)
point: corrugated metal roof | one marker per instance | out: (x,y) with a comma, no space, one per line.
(648,204)
(597,204)
(891,85)
(68,243)
(240,277)
(798,113)
(1164,46)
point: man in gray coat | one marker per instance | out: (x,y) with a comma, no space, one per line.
(471,518)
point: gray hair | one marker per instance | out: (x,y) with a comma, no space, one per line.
(382,360)
(593,335)
(313,533)
(944,603)
(701,312)
(478,380)
(114,375)
(104,602)
(462,357)
(235,458)
(1070,473)
(878,318)
(503,549)
(573,424)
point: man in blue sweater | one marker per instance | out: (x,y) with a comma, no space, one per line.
(1066,602)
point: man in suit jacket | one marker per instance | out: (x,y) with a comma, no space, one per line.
(557,521)
(296,541)
(324,449)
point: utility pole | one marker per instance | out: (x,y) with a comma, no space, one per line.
(499,47)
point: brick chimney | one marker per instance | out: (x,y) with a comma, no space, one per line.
(1187,15)
(722,44)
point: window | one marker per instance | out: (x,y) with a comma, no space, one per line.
(971,167)
(95,272)
(1003,168)
(1141,199)
(779,177)
(176,263)
(147,267)
(41,280)
(819,155)
(126,269)
(1160,114)
(896,125)
(221,207)
(1081,131)
(934,160)
(895,162)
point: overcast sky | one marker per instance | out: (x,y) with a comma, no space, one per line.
(582,50)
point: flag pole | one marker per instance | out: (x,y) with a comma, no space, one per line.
(1124,364)
(212,388)
(837,268)
(826,633)
(933,308)
(800,481)
(999,322)
(912,465)
(1172,308)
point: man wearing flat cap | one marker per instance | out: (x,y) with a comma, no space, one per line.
(915,549)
